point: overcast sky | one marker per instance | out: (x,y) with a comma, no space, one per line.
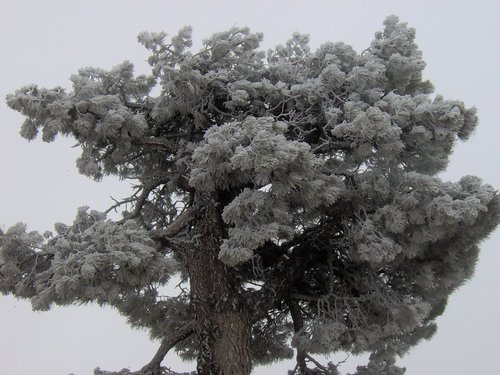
(44,42)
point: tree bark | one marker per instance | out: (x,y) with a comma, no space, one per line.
(222,324)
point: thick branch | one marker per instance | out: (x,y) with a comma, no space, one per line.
(302,356)
(154,366)
(161,144)
(173,229)
(298,324)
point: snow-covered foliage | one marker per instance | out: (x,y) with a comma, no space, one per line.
(92,260)
(333,228)
(249,157)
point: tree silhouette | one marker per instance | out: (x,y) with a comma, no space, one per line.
(291,194)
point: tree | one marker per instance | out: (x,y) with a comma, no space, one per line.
(291,195)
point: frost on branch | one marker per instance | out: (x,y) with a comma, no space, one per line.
(98,113)
(423,211)
(92,260)
(282,181)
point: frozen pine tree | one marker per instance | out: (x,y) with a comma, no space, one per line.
(292,193)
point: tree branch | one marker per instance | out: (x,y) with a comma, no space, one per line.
(154,366)
(140,200)
(161,144)
(173,229)
(302,356)
(298,324)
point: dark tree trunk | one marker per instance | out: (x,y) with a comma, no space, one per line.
(222,326)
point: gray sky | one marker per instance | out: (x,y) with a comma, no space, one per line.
(44,42)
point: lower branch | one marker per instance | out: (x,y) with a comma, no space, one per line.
(154,366)
(298,324)
(303,357)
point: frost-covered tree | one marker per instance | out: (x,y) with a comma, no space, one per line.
(292,195)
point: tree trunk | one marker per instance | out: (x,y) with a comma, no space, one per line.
(222,326)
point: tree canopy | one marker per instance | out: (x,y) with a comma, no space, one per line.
(292,194)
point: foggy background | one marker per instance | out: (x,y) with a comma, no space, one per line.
(44,42)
